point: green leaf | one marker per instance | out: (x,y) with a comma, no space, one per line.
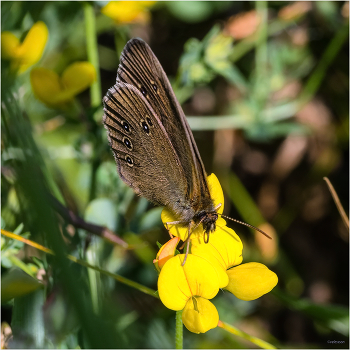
(17,283)
(102,211)
(28,325)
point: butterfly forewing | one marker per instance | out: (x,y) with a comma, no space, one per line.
(140,68)
(141,147)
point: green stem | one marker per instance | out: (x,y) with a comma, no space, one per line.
(179,330)
(327,58)
(94,166)
(92,52)
(95,90)
(261,43)
(261,82)
(257,341)
(118,278)
(242,200)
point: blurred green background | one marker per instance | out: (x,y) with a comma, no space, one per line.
(265,86)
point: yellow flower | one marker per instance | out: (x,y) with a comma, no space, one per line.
(188,287)
(223,250)
(23,55)
(200,315)
(250,281)
(57,91)
(218,198)
(208,267)
(128,11)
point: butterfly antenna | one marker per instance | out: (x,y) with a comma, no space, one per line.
(245,224)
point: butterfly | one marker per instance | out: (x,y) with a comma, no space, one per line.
(152,143)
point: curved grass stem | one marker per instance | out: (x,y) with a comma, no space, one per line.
(118,278)
(257,341)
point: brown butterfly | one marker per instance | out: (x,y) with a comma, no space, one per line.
(152,142)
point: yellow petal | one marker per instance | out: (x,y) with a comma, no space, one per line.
(250,281)
(200,315)
(166,252)
(175,230)
(45,84)
(217,196)
(33,46)
(77,77)
(176,283)
(223,250)
(9,45)
(216,192)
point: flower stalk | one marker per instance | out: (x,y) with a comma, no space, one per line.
(179,330)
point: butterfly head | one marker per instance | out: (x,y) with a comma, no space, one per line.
(208,219)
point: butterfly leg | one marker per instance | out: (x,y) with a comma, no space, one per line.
(187,242)
(172,223)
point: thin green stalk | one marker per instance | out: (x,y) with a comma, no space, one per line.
(95,89)
(261,44)
(242,200)
(327,58)
(94,166)
(118,278)
(257,341)
(94,277)
(179,330)
(261,81)
(92,52)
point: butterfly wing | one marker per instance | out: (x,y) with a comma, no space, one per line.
(140,68)
(142,149)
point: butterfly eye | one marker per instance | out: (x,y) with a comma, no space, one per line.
(127,142)
(145,127)
(126,126)
(155,87)
(129,161)
(143,91)
(149,121)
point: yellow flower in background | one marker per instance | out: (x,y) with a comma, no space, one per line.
(128,11)
(216,194)
(57,91)
(23,55)
(188,288)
